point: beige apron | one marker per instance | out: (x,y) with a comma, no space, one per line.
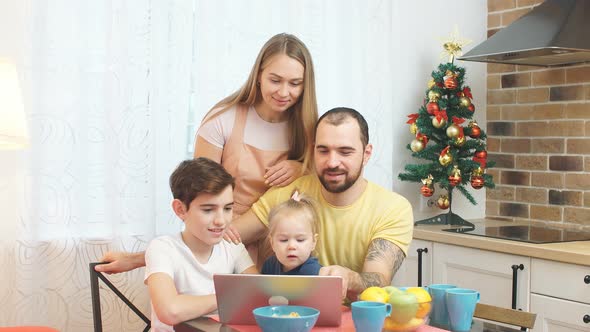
(247,165)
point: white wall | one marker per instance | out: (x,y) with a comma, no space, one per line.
(420,26)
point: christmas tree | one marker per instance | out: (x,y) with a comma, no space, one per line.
(446,137)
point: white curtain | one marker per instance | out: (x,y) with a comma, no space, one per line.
(107,92)
(114,91)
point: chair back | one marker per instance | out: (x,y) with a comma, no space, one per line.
(94,289)
(522,319)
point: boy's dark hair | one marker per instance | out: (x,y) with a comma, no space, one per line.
(195,176)
(338,115)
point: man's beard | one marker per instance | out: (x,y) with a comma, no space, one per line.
(334,188)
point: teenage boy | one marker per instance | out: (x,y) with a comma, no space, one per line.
(180,267)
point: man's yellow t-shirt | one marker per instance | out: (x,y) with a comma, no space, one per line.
(346,231)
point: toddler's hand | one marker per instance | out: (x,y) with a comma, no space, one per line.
(232,235)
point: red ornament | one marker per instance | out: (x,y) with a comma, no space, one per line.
(471,108)
(475,130)
(482,155)
(477,181)
(482,162)
(451,83)
(427,190)
(422,138)
(432,107)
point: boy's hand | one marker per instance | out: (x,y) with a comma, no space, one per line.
(120,262)
(283,173)
(232,235)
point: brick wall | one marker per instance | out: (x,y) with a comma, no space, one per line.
(538,126)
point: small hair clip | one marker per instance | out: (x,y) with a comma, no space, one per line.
(296,196)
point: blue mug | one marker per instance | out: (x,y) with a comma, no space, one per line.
(369,316)
(439,316)
(461,306)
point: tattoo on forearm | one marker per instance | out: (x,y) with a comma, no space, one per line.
(371,279)
(387,253)
(398,259)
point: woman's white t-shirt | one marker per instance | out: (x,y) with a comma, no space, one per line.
(169,254)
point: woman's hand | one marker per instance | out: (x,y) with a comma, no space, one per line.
(232,235)
(283,173)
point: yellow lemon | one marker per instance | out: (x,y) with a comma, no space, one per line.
(376,294)
(424,300)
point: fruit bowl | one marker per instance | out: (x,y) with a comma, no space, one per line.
(410,306)
(289,318)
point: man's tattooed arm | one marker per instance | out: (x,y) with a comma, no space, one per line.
(382,261)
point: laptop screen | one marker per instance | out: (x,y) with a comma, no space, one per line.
(239,294)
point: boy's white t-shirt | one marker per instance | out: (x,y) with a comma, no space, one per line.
(261,134)
(169,254)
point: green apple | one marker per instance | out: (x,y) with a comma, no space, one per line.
(403,307)
(392,290)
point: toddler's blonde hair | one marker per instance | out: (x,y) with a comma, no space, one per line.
(301,204)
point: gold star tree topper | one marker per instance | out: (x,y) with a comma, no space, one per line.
(453,45)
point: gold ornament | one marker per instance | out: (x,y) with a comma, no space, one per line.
(477,172)
(428,180)
(443,202)
(431,83)
(453,131)
(455,177)
(445,159)
(427,189)
(465,101)
(459,140)
(438,123)
(416,145)
(413,128)
(433,95)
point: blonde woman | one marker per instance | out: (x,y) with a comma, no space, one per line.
(262,134)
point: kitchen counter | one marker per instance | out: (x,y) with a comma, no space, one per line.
(577,252)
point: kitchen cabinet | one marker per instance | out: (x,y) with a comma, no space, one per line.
(560,296)
(489,272)
(407,274)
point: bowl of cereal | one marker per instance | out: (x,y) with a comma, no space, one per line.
(289,318)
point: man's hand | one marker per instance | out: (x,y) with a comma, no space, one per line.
(120,262)
(382,261)
(339,271)
(283,173)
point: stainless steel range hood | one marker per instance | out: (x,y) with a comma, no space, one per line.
(556,32)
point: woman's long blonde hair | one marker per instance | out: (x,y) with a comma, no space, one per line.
(302,115)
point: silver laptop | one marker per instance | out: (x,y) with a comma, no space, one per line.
(239,294)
